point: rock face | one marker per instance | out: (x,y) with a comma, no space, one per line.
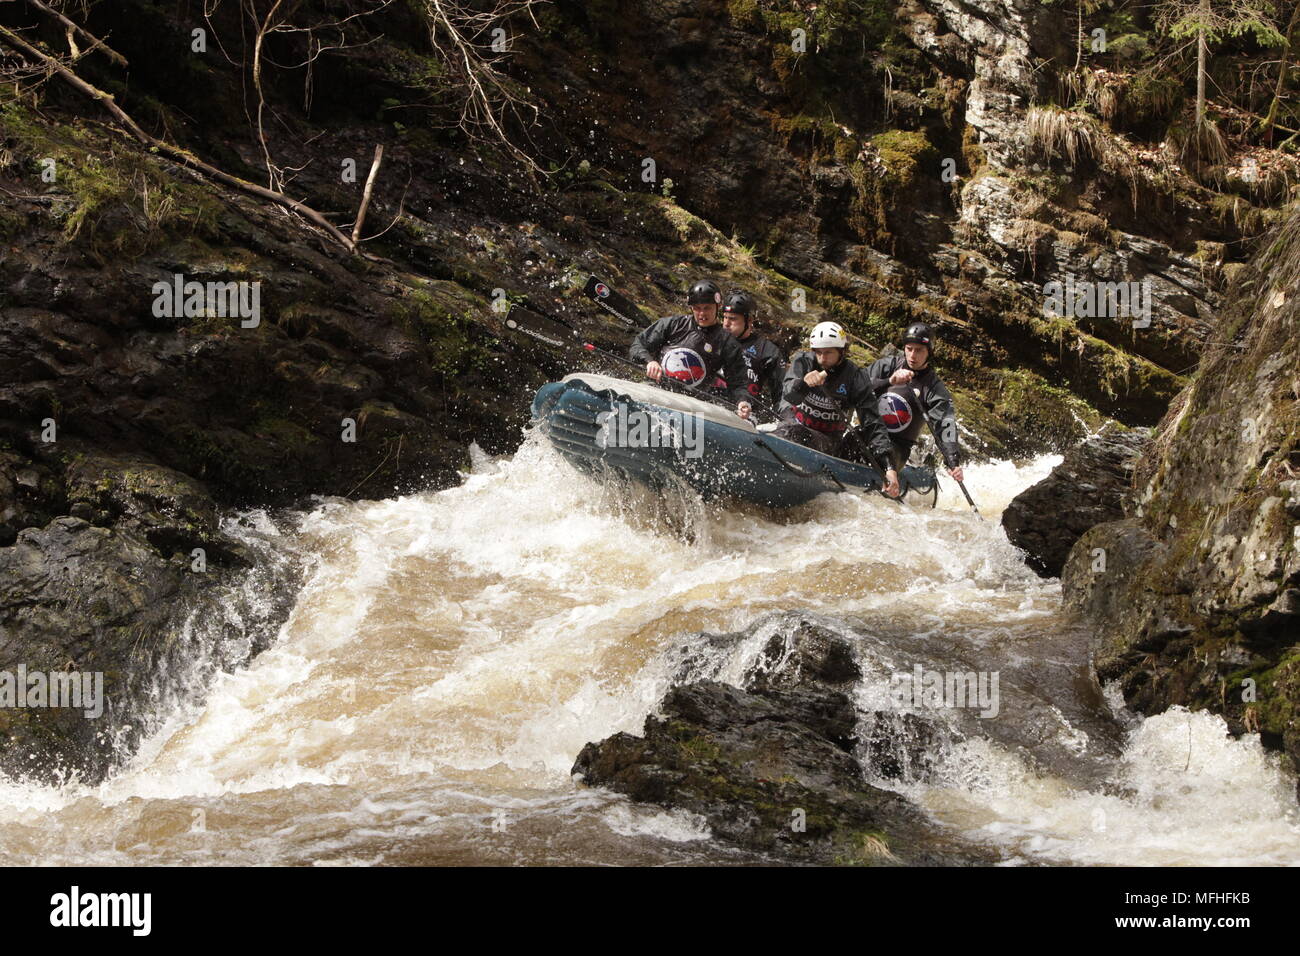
(1088,487)
(1197,602)
(104,603)
(771,765)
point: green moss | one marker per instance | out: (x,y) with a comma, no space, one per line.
(744,13)
(819,132)
(12,223)
(1234,212)
(906,155)
(451,336)
(283,432)
(829,24)
(862,848)
(1152,97)
(119,201)
(1037,411)
(1277,689)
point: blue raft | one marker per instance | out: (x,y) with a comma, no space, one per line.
(641,432)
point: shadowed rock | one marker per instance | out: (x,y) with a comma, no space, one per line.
(1088,487)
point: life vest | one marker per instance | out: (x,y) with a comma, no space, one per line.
(695,355)
(900,411)
(684,365)
(826,407)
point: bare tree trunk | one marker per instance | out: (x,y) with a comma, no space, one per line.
(1078,37)
(73,29)
(1270,120)
(1202,56)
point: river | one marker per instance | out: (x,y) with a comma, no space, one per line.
(448,655)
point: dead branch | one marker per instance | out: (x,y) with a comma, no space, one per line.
(175,153)
(488,97)
(75,29)
(365,195)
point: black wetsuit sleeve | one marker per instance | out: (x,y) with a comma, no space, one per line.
(647,346)
(863,396)
(773,374)
(942,419)
(733,370)
(794,388)
(880,370)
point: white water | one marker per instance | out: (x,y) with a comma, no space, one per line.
(449,655)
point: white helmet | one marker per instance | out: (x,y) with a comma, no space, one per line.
(828,335)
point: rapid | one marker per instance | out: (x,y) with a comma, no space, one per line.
(448,654)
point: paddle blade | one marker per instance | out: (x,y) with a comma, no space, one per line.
(538,327)
(612,302)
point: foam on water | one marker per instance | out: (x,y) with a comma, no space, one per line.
(450,653)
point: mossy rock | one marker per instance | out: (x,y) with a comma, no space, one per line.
(906,155)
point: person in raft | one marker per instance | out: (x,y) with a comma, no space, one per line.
(909,394)
(764,363)
(822,390)
(694,348)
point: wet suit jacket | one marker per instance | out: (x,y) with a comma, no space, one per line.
(765,368)
(764,371)
(827,407)
(714,345)
(935,399)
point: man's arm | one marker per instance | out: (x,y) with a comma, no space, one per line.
(879,371)
(794,388)
(941,416)
(774,373)
(733,369)
(645,348)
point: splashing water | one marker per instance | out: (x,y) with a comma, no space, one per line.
(448,655)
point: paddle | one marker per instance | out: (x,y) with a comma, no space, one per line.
(616,304)
(554,331)
(962,486)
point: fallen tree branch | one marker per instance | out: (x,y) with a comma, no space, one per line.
(73,28)
(175,153)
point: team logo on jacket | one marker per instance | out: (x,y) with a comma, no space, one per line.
(684,365)
(895,412)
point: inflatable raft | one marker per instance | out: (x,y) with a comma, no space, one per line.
(641,432)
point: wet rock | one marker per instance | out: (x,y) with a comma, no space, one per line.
(805,655)
(170,509)
(903,746)
(74,597)
(767,769)
(1087,488)
(773,766)
(87,600)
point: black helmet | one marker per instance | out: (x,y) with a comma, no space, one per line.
(704,292)
(739,302)
(918,333)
